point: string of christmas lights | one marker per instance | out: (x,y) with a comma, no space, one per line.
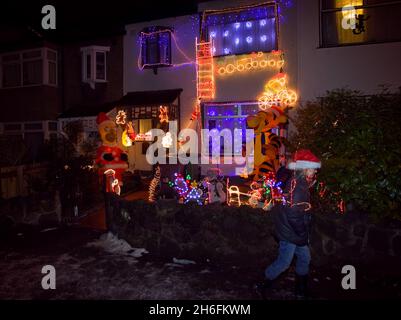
(194,196)
(181,185)
(205,70)
(154,185)
(141,66)
(253,61)
(277,94)
(189,190)
(121,117)
(263,194)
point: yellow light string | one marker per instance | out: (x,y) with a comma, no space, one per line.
(253,61)
(153,185)
(277,94)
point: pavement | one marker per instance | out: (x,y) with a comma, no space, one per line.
(92,264)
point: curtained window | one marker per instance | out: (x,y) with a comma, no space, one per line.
(359,21)
(155,47)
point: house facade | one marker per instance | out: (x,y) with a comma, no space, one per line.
(314,43)
(44,85)
(92,81)
(30,94)
(210,69)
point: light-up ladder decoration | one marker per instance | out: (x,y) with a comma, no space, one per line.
(204,70)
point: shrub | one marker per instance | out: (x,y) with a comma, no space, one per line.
(71,168)
(358,139)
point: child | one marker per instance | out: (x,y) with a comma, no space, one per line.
(292,224)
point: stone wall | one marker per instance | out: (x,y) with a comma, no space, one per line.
(242,235)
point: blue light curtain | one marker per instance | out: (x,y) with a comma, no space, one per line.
(253,29)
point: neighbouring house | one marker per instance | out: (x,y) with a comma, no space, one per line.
(92,80)
(45,84)
(30,94)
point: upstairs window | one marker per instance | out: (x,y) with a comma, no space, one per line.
(29,68)
(94,64)
(359,21)
(32,68)
(155,47)
(243,30)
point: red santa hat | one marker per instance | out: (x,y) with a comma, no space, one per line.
(304,159)
(102,117)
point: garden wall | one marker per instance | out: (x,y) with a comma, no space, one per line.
(242,235)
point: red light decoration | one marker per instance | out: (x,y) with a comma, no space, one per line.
(121,117)
(163,115)
(204,68)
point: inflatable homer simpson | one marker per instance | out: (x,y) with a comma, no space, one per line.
(109,155)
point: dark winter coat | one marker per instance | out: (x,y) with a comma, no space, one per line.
(292,222)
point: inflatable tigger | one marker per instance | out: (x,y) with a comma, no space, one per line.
(267,144)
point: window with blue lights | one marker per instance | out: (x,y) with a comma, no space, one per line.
(229,116)
(220,115)
(245,30)
(156,47)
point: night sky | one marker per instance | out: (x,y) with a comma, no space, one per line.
(76,19)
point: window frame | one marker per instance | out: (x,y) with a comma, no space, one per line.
(92,52)
(321,11)
(159,30)
(242,115)
(43,57)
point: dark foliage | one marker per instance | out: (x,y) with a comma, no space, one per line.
(358,139)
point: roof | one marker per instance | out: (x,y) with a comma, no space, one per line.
(150,98)
(136,98)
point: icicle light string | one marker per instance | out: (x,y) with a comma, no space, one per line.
(153,185)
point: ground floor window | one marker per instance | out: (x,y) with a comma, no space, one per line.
(145,118)
(231,116)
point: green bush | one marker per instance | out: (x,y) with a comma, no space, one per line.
(358,139)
